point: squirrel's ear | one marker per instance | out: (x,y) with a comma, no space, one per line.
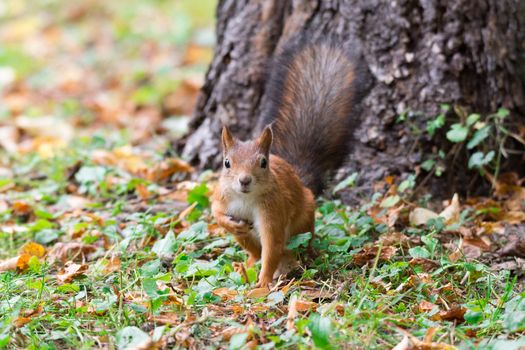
(227,139)
(265,140)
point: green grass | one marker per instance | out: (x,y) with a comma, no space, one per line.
(175,275)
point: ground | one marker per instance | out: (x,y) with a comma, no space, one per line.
(106,235)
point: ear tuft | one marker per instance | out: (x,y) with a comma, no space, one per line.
(265,139)
(227,139)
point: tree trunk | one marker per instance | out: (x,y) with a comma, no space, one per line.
(421,53)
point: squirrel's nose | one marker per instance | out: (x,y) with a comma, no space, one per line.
(245,180)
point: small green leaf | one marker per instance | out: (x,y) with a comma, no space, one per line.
(166,245)
(419,252)
(132,338)
(348,182)
(457,133)
(410,182)
(390,201)
(428,164)
(514,316)
(472,119)
(435,124)
(199,194)
(503,113)
(478,137)
(299,240)
(238,340)
(321,328)
(478,159)
(473,317)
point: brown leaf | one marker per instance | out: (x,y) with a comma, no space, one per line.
(420,216)
(25,253)
(70,251)
(71,270)
(9,264)
(225,293)
(426,264)
(451,213)
(113,264)
(455,313)
(21,320)
(258,292)
(165,318)
(168,167)
(231,331)
(369,254)
(425,306)
(142,191)
(21,208)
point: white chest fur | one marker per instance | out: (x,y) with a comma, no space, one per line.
(244,207)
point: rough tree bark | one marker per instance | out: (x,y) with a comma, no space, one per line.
(420,53)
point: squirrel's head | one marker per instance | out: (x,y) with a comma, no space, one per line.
(246,164)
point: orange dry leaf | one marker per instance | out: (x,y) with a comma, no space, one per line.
(21,208)
(425,306)
(225,293)
(142,191)
(113,264)
(25,253)
(455,313)
(369,254)
(21,320)
(33,249)
(165,318)
(258,293)
(71,270)
(166,168)
(296,306)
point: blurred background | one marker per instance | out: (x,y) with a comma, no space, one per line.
(73,68)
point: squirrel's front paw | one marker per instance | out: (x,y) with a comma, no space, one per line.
(239,227)
(264,282)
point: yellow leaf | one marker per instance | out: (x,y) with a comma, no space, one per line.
(33,249)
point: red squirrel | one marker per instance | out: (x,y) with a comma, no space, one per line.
(267,187)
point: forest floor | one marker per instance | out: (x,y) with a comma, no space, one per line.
(106,238)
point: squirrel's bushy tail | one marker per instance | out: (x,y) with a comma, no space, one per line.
(313,91)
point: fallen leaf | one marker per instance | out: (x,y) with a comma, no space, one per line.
(165,169)
(9,264)
(113,264)
(420,216)
(21,320)
(142,191)
(225,293)
(425,306)
(165,318)
(369,254)
(258,292)
(455,313)
(71,270)
(70,251)
(427,264)
(33,249)
(451,213)
(21,208)
(404,344)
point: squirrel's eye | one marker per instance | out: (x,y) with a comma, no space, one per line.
(227,163)
(264,163)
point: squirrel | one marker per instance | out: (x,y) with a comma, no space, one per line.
(267,186)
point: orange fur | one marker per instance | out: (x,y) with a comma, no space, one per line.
(278,206)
